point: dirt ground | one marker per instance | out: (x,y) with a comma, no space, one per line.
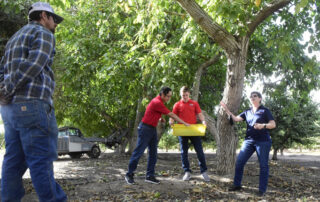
(294,177)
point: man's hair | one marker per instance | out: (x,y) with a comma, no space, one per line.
(184,89)
(165,90)
(257,93)
(35,16)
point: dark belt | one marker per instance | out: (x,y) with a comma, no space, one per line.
(147,125)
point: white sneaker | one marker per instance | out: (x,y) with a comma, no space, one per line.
(205,176)
(187,176)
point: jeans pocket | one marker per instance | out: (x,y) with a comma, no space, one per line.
(31,119)
(26,115)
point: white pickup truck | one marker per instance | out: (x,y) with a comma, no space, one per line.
(72,142)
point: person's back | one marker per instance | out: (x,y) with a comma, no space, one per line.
(29,56)
(26,89)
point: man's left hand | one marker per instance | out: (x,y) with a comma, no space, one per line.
(5,98)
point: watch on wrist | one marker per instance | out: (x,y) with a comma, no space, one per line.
(265,126)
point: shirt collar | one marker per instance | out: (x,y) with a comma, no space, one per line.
(35,23)
(260,107)
(159,98)
(184,101)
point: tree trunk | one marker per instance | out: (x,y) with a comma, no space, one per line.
(228,139)
(121,148)
(274,156)
(133,138)
(160,129)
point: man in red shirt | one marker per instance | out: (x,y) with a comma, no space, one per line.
(188,110)
(147,135)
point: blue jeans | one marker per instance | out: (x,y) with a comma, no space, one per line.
(247,149)
(31,142)
(147,137)
(184,146)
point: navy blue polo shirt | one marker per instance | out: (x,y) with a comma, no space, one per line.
(262,115)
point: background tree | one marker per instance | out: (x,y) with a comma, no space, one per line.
(114,59)
(295,119)
(12,18)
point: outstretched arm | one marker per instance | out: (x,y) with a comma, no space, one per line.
(175,117)
(201,117)
(235,118)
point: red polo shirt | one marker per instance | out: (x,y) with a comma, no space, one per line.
(154,111)
(187,111)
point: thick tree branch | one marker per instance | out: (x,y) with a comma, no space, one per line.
(265,13)
(211,125)
(214,30)
(197,79)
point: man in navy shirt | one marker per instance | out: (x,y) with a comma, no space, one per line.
(258,119)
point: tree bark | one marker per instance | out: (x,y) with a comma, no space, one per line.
(160,129)
(133,138)
(121,149)
(228,139)
(274,156)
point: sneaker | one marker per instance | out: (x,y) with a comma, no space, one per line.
(260,194)
(187,176)
(129,178)
(152,179)
(205,176)
(235,188)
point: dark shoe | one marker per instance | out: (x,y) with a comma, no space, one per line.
(152,179)
(235,188)
(260,194)
(129,178)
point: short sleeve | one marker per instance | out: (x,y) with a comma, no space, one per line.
(162,108)
(175,108)
(268,115)
(243,115)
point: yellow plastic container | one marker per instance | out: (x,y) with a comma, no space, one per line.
(192,130)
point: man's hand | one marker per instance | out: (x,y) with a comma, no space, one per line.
(5,98)
(186,124)
(224,106)
(258,126)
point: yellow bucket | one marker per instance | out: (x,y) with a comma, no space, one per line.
(192,130)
